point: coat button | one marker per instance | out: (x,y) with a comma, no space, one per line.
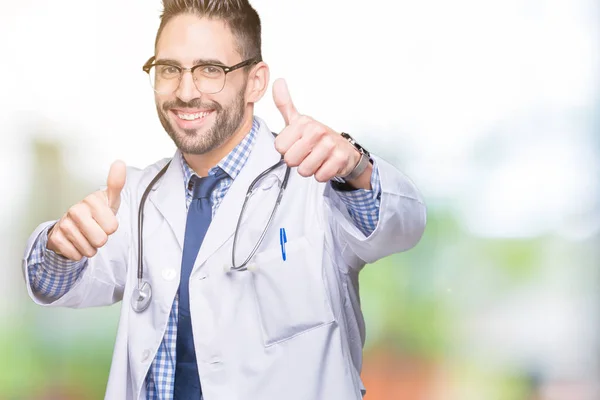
(169,274)
(146,355)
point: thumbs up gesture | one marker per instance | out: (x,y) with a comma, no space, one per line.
(314,148)
(85,227)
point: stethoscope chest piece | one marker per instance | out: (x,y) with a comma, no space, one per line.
(140,299)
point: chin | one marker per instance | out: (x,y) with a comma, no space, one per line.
(193,141)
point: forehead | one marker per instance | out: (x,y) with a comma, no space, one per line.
(186,38)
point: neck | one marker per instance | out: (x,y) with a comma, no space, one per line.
(202,163)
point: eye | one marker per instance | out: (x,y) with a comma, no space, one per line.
(167,71)
(210,71)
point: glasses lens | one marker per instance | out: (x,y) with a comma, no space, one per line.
(260,207)
(209,78)
(164,78)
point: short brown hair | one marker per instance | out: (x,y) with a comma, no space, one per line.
(242,19)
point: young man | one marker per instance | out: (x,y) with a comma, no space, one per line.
(263,308)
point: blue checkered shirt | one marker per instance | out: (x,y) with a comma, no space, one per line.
(52,275)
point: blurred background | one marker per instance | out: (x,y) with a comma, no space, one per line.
(491,106)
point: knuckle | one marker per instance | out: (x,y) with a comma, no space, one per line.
(58,241)
(339,157)
(305,120)
(100,241)
(57,229)
(319,130)
(328,142)
(89,198)
(324,137)
(89,252)
(291,160)
(66,226)
(312,134)
(76,211)
(321,176)
(91,201)
(279,146)
(111,226)
(304,171)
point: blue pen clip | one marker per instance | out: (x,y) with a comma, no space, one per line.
(282,242)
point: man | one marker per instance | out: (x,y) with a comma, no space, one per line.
(225,318)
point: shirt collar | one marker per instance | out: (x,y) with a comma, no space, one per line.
(233,162)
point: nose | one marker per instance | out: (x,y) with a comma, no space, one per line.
(187,90)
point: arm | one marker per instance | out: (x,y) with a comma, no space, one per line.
(400,225)
(81,260)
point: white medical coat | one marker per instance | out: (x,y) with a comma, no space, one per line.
(289,329)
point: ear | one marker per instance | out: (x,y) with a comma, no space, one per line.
(258,82)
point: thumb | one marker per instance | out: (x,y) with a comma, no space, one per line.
(283,101)
(115,183)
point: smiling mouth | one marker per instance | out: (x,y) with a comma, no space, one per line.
(192,116)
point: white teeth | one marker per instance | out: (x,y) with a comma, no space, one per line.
(192,117)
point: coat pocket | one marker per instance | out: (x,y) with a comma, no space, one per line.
(290,295)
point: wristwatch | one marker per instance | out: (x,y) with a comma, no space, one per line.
(363,163)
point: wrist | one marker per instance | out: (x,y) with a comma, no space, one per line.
(359,175)
(363,181)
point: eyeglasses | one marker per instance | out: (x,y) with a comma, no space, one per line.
(208,78)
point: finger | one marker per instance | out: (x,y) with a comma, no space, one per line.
(283,101)
(287,137)
(310,137)
(77,239)
(93,233)
(115,183)
(102,214)
(330,168)
(58,243)
(316,158)
(294,132)
(81,215)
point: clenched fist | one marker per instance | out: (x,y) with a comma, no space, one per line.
(85,227)
(313,147)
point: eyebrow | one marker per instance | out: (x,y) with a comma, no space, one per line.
(208,61)
(198,61)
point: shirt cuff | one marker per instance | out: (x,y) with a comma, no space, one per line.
(50,274)
(363,205)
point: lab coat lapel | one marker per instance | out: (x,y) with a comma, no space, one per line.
(223,225)
(169,198)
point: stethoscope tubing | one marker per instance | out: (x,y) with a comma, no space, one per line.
(144,289)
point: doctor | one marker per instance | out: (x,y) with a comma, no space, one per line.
(261,304)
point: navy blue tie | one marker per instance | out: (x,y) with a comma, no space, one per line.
(187,379)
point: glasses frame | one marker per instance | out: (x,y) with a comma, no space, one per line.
(150,63)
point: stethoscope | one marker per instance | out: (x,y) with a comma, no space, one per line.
(142,294)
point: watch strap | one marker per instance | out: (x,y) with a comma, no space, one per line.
(363,162)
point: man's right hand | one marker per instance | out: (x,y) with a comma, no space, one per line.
(85,227)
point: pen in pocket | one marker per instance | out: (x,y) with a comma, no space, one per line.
(282,242)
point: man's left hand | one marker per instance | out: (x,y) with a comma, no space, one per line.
(313,147)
